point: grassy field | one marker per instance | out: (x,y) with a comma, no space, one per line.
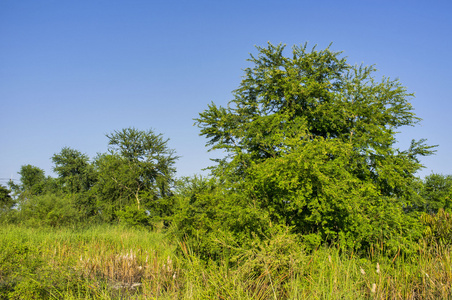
(109,262)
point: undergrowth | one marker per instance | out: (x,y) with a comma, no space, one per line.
(110,262)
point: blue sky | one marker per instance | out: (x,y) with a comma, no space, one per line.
(73,71)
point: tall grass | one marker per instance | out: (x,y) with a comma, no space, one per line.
(95,262)
(111,262)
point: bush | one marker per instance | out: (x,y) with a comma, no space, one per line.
(49,210)
(437,193)
(132,216)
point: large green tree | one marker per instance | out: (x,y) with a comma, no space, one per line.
(310,142)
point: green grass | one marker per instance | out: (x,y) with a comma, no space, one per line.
(99,262)
(111,262)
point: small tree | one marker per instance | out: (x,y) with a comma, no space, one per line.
(137,171)
(436,193)
(76,177)
(6,201)
(74,170)
(33,182)
(7,213)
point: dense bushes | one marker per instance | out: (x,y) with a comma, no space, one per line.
(130,184)
(50,210)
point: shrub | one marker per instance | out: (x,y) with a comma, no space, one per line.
(132,216)
(49,210)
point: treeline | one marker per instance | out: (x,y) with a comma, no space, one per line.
(310,152)
(131,183)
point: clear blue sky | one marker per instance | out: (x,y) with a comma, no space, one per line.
(73,71)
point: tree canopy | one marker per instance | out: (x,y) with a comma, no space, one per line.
(436,193)
(6,201)
(32,182)
(136,173)
(74,170)
(311,141)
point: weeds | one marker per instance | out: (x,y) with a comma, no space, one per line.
(120,263)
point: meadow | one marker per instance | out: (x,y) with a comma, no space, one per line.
(313,199)
(116,262)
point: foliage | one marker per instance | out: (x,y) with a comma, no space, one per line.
(16,259)
(76,177)
(32,182)
(438,227)
(437,193)
(322,200)
(211,224)
(310,145)
(31,178)
(312,200)
(137,171)
(148,152)
(114,262)
(50,210)
(92,263)
(25,274)
(6,201)
(74,170)
(135,217)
